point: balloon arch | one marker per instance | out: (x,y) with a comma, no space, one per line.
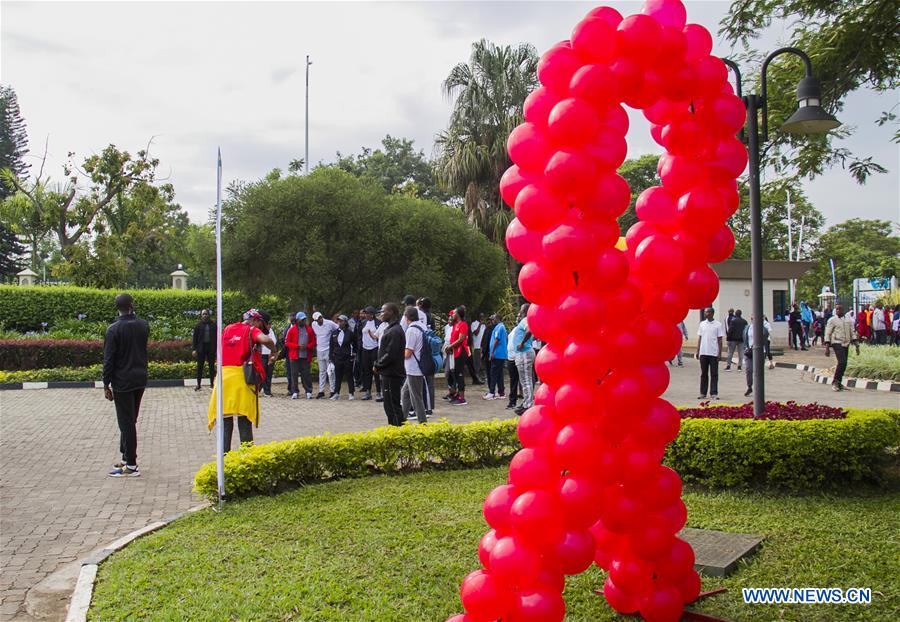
(588,485)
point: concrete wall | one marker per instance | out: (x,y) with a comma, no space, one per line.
(736,294)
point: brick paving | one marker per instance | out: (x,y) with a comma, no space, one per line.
(56,445)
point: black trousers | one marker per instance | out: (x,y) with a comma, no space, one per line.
(210,359)
(495,377)
(460,363)
(267,385)
(513,382)
(300,367)
(343,370)
(245,430)
(128,405)
(840,353)
(367,361)
(391,387)
(290,376)
(470,365)
(709,374)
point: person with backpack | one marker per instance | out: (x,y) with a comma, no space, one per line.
(418,363)
(341,353)
(497,359)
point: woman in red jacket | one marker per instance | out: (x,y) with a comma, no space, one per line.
(239,343)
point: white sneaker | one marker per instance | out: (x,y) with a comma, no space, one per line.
(488,396)
(771,365)
(335,397)
(351,398)
(309,396)
(294,396)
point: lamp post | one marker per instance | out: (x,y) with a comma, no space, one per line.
(809,118)
(306,149)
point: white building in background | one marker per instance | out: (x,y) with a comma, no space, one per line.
(735,292)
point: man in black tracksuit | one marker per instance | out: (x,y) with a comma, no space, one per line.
(204,347)
(125,378)
(341,352)
(390,363)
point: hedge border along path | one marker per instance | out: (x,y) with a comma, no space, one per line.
(24,308)
(792,455)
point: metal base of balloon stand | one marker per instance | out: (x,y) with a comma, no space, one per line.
(696,616)
(717,553)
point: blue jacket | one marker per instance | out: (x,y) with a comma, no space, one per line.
(805,313)
(498,342)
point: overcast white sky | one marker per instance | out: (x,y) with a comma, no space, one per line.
(197,75)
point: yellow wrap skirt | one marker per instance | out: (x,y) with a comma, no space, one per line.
(239,399)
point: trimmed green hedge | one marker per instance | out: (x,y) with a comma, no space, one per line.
(26,308)
(794,455)
(155,371)
(25,354)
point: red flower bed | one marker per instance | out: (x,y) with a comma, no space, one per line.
(22,354)
(781,411)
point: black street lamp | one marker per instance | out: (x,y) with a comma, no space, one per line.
(809,118)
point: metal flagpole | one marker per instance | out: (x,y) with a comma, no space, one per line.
(306,150)
(220,431)
(790,242)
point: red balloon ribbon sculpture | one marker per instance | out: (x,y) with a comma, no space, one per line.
(588,486)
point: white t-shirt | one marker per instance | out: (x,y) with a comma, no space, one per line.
(414,343)
(379,332)
(404,323)
(448,329)
(263,349)
(323,334)
(878,322)
(709,332)
(510,346)
(369,338)
(477,334)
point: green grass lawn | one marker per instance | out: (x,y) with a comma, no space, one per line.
(874,363)
(394,549)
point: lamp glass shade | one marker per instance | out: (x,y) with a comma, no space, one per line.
(810,120)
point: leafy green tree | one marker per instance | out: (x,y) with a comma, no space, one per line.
(396,167)
(861,249)
(13,137)
(774,199)
(853,45)
(199,255)
(640,173)
(11,252)
(338,242)
(487,94)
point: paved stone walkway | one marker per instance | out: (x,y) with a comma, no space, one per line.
(56,445)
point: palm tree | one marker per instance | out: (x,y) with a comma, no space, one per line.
(487,94)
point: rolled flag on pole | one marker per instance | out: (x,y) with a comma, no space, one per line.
(833,277)
(220,431)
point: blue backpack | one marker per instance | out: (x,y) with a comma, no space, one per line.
(429,365)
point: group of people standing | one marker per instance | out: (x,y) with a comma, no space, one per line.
(878,325)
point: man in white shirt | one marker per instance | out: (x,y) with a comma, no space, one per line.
(323,329)
(478,329)
(268,356)
(413,391)
(369,352)
(709,348)
(879,323)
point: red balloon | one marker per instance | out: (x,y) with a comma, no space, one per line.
(730,158)
(628,75)
(656,375)
(610,270)
(702,210)
(575,447)
(544,395)
(608,149)
(606,13)
(661,423)
(615,119)
(536,518)
(663,604)
(679,173)
(596,84)
(542,285)
(539,209)
(651,89)
(594,40)
(690,587)
(699,42)
(631,574)
(656,205)
(483,597)
(575,551)
(701,287)
(710,73)
(675,516)
(538,105)
(585,361)
(672,48)
(677,561)
(638,463)
(729,192)
(573,122)
(485,546)
(512,563)
(665,111)
(638,38)
(658,259)
(685,136)
(541,604)
(673,305)
(536,426)
(580,500)
(533,468)
(543,322)
(667,12)
(618,599)
(568,246)
(571,174)
(460,618)
(575,308)
(529,148)
(654,538)
(637,233)
(610,197)
(551,578)
(548,364)
(511,183)
(497,505)
(656,134)
(523,244)
(664,493)
(557,66)
(724,113)
(720,245)
(621,510)
(666,340)
(694,247)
